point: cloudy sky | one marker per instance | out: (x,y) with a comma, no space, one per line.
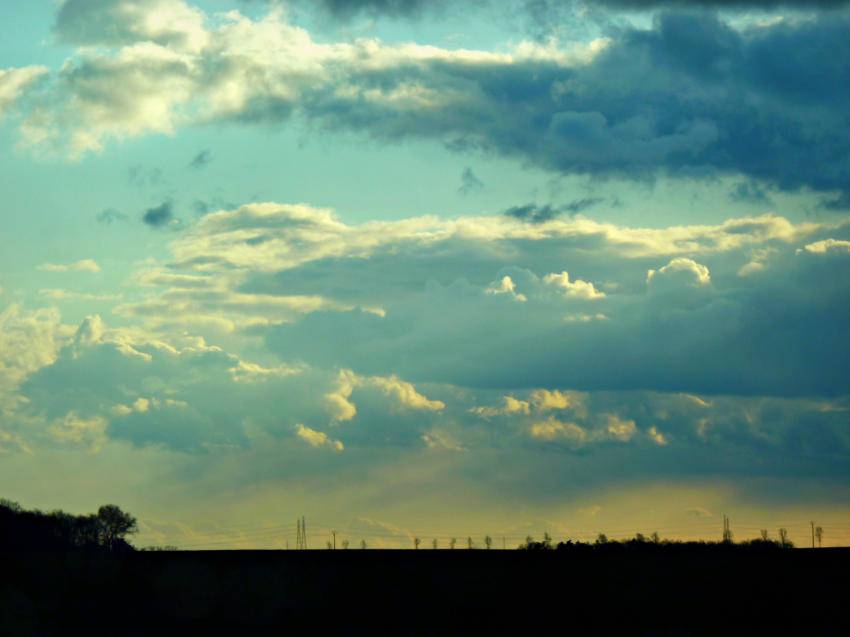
(407,268)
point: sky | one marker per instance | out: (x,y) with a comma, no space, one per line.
(424,269)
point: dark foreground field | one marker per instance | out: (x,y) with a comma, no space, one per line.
(801,592)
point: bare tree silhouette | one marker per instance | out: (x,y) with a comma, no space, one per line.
(488,541)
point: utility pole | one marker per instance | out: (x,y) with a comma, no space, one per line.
(298,543)
(304,531)
(334,534)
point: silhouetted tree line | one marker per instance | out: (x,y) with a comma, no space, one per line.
(643,543)
(22,530)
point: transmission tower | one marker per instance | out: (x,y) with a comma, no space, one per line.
(727,529)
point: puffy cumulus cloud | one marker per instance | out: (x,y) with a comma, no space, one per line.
(689,95)
(620,429)
(404,393)
(680,272)
(317,438)
(554,430)
(544,399)
(506,286)
(85,265)
(578,288)
(338,400)
(184,394)
(15,82)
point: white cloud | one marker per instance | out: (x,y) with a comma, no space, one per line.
(680,271)
(15,82)
(245,372)
(554,430)
(29,341)
(827,246)
(341,407)
(317,438)
(405,393)
(85,265)
(544,399)
(620,429)
(577,289)
(506,286)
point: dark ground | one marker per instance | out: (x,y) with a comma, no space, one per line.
(803,592)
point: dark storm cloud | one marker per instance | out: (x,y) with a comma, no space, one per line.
(780,332)
(689,97)
(159,216)
(344,9)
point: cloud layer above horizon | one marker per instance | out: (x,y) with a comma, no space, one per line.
(570,341)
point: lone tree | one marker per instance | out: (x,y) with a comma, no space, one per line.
(488,541)
(114,524)
(452,542)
